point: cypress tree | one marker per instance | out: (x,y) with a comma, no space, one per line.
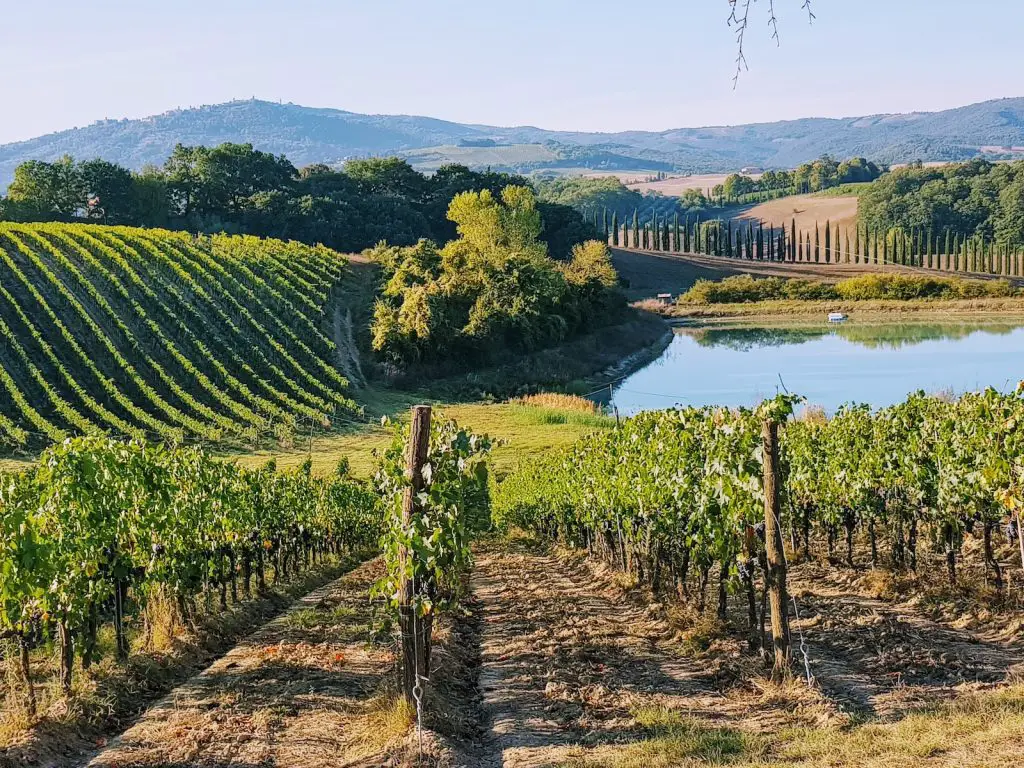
(666,237)
(676,245)
(604,223)
(929,247)
(807,248)
(655,231)
(615,228)
(828,242)
(760,241)
(856,243)
(836,250)
(728,238)
(636,229)
(817,243)
(686,234)
(846,245)
(783,245)
(792,238)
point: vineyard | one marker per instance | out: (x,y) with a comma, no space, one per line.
(164,336)
(675,496)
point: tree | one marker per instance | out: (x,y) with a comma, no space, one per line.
(111,192)
(48,191)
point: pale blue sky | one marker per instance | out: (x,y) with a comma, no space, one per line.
(566,64)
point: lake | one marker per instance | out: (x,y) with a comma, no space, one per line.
(874,363)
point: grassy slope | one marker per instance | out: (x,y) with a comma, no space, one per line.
(522,431)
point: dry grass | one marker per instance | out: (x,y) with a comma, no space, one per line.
(808,210)
(559,401)
(980,730)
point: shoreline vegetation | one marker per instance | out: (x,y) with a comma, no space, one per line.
(865,297)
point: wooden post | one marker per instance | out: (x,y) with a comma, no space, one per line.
(775,576)
(415,630)
(1020,538)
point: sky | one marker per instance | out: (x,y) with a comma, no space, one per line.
(590,65)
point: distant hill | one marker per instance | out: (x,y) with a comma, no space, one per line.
(992,129)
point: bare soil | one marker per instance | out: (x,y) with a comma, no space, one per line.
(880,659)
(308,689)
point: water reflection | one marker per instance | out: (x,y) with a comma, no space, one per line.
(874,363)
(887,336)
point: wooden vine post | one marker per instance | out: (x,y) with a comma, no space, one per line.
(415,630)
(775,576)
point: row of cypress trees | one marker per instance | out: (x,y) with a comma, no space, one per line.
(947,251)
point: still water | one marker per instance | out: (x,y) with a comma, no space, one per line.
(879,364)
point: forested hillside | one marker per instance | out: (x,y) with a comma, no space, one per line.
(976,199)
(307,135)
(165,336)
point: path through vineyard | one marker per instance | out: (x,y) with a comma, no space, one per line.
(293,694)
(566,661)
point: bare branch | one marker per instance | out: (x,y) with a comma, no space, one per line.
(739,17)
(741,22)
(773,23)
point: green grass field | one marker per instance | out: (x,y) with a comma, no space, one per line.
(521,432)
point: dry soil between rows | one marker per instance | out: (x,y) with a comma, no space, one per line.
(287,696)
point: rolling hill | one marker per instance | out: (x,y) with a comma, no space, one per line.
(306,135)
(154,334)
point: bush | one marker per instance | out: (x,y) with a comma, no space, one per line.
(904,287)
(745,288)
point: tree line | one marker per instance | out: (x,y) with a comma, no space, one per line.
(594,196)
(238,189)
(945,251)
(823,173)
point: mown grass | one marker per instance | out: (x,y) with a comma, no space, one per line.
(977,729)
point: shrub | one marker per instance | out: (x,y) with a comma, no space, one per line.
(745,288)
(904,287)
